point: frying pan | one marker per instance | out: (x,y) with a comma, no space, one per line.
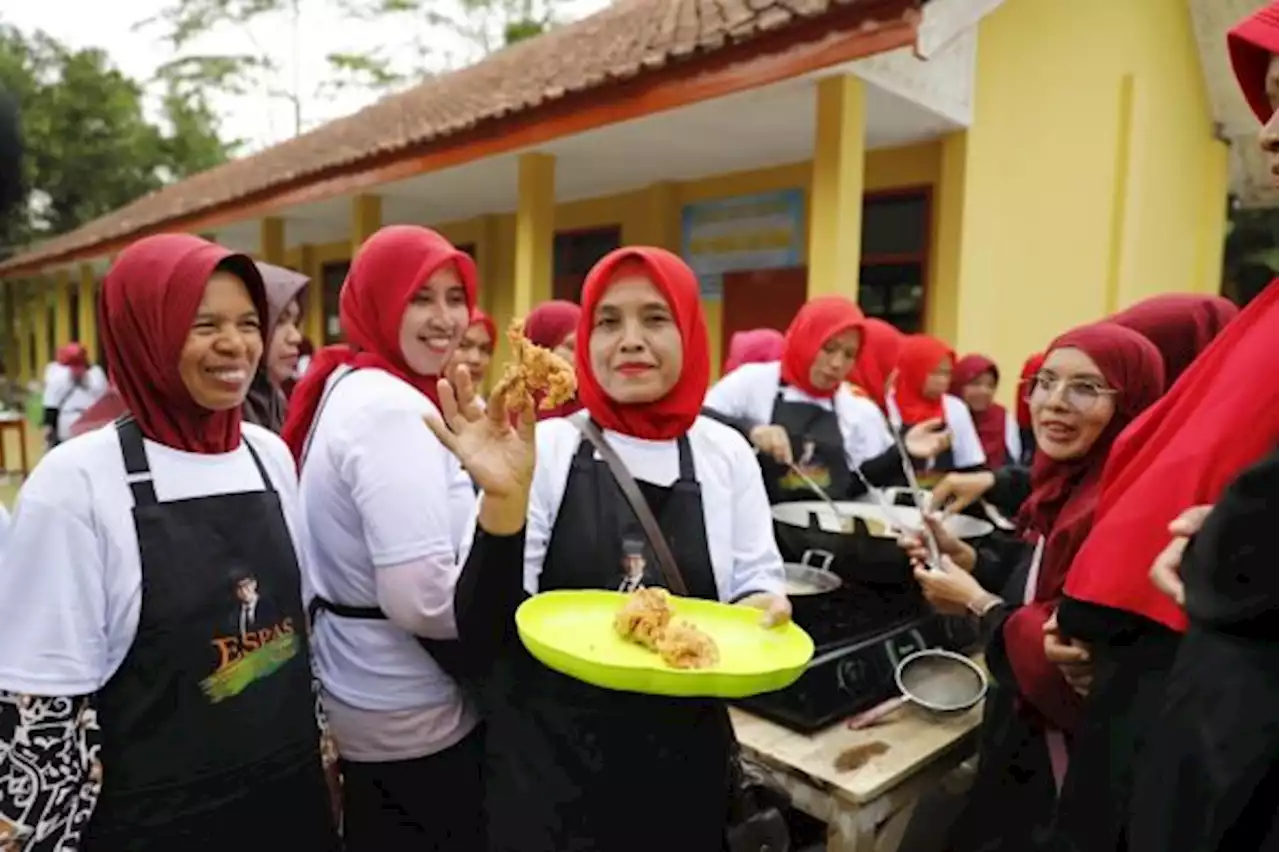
(942,682)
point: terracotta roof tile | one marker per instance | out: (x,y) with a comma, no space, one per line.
(629,38)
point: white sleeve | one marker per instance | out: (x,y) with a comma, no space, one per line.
(865,430)
(55,385)
(732,395)
(1012,439)
(757,564)
(53,600)
(966,447)
(399,478)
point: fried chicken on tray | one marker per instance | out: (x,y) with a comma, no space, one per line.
(645,618)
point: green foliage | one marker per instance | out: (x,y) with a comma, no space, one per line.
(89,147)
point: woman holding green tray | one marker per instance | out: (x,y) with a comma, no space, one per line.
(572,766)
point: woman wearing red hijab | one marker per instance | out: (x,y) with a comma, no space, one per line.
(163,634)
(386,509)
(919,398)
(71,393)
(554,325)
(475,350)
(571,764)
(794,413)
(1094,381)
(877,359)
(974,381)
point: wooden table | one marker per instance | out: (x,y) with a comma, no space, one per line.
(867,808)
(15,424)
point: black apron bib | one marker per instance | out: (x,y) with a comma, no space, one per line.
(584,769)
(209,730)
(817,446)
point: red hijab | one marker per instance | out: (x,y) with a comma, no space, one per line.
(1181,325)
(548,325)
(877,359)
(758,346)
(991,422)
(1251,43)
(149,299)
(817,321)
(673,414)
(480,318)
(386,273)
(1064,496)
(920,355)
(1029,368)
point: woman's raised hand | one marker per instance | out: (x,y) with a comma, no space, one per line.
(498,455)
(912,541)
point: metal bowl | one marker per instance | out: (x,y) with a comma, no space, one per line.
(805,579)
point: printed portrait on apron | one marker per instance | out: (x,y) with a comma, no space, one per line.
(253,641)
(813,468)
(633,565)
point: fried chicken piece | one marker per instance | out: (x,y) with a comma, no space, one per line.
(643,617)
(684,646)
(533,370)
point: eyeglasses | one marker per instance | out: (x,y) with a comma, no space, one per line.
(1080,395)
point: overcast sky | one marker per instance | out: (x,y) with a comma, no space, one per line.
(110,24)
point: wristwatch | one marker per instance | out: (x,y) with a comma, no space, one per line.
(983,605)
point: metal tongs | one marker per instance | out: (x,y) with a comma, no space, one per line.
(841,518)
(909,468)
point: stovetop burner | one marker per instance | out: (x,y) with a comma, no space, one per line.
(860,632)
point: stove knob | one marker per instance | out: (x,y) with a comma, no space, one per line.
(850,672)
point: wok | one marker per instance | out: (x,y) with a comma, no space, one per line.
(879,521)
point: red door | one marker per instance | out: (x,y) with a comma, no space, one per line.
(766,298)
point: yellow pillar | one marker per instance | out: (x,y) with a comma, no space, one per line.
(61,308)
(835,201)
(657,219)
(271,240)
(535,231)
(39,306)
(87,307)
(943,299)
(313,296)
(366,217)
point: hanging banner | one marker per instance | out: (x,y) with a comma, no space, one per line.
(742,233)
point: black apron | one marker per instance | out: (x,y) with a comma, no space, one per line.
(209,729)
(817,446)
(577,768)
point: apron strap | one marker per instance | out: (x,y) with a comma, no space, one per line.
(686,459)
(319,604)
(137,470)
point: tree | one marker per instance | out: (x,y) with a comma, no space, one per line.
(89,147)
(476,27)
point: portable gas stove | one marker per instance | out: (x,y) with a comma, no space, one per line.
(860,633)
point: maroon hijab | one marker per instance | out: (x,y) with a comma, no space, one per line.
(1181,325)
(1061,507)
(547,326)
(992,422)
(149,299)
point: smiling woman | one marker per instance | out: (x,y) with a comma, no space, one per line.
(386,507)
(167,609)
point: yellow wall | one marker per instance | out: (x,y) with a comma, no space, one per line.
(1090,177)
(648,216)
